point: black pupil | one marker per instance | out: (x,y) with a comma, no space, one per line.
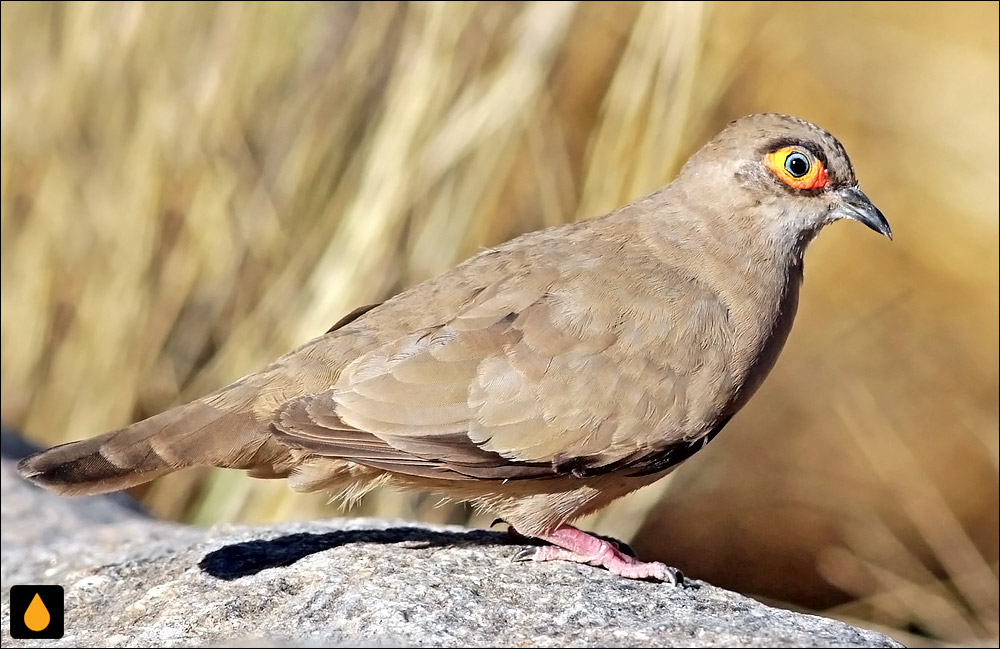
(797,165)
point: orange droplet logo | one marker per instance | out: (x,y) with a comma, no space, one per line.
(36,617)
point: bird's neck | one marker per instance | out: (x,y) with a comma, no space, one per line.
(737,254)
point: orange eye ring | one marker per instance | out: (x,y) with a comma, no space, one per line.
(797,168)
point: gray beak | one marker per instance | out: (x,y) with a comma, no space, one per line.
(851,203)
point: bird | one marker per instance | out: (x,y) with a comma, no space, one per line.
(540,379)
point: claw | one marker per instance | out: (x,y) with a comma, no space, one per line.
(496,521)
(524,554)
(517,537)
(671,576)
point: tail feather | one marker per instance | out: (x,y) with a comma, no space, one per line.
(194,434)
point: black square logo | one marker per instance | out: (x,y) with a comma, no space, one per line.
(36,612)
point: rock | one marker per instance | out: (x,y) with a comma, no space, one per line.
(133,581)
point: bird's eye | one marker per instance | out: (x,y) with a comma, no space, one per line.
(797,167)
(797,164)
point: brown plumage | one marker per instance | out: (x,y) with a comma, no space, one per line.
(541,379)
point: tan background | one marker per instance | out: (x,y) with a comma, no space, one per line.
(191,189)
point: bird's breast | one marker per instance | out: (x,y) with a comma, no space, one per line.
(761,325)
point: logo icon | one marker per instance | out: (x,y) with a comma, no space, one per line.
(36,612)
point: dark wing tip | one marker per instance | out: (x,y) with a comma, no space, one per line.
(77,469)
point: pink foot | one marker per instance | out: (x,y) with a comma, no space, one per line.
(571,544)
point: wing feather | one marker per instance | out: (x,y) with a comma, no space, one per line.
(527,380)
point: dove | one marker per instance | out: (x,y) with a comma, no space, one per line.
(541,379)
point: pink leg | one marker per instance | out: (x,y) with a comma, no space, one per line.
(571,544)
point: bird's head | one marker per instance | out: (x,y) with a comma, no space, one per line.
(788,176)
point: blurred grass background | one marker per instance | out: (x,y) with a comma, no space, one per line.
(191,189)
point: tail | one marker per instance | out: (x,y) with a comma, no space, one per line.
(194,434)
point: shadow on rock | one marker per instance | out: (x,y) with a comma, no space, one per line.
(250,557)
